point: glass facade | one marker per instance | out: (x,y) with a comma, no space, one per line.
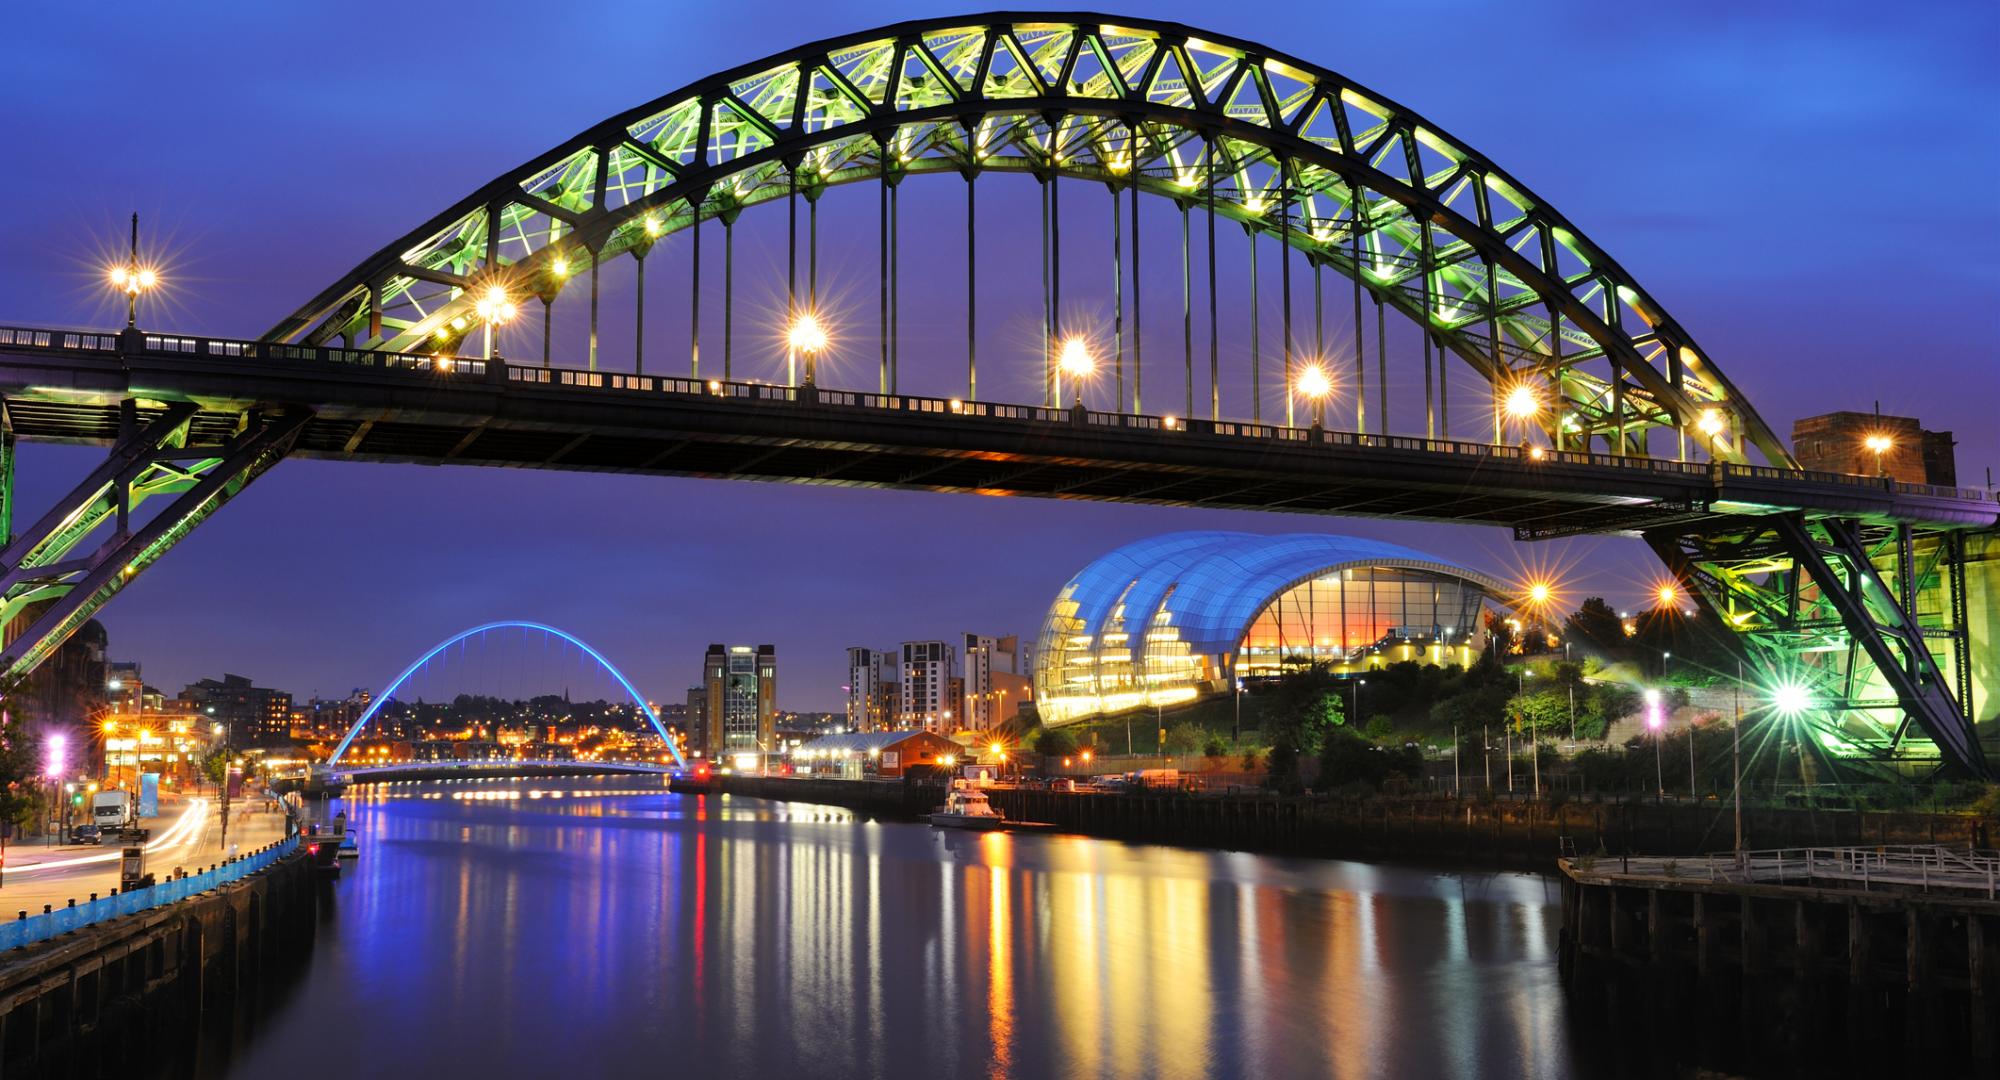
(1169,618)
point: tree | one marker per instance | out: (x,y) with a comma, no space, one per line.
(1055,743)
(1348,759)
(20,754)
(1597,623)
(1306,706)
(1539,710)
(1185,738)
(1215,750)
(1380,729)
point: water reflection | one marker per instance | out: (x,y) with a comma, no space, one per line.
(544,928)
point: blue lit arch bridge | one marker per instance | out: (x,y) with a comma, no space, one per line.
(511,663)
(1298,295)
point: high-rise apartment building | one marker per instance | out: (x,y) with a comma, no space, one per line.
(742,708)
(868,706)
(928,701)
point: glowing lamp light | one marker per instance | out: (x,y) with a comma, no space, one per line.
(559,267)
(1710,423)
(496,306)
(58,746)
(133,280)
(1655,716)
(807,335)
(1313,382)
(652,226)
(1075,359)
(1668,595)
(1539,592)
(1790,698)
(1880,444)
(1522,402)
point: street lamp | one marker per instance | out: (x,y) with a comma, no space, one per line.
(1711,424)
(1520,405)
(1076,362)
(1314,385)
(1879,444)
(495,308)
(133,279)
(1656,723)
(809,337)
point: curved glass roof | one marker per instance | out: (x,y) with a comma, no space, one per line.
(1219,581)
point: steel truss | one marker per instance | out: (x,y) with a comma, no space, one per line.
(1354,181)
(1834,605)
(158,453)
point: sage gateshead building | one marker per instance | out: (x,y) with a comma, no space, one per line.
(1169,618)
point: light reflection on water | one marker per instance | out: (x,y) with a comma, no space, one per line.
(500,929)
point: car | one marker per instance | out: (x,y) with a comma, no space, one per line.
(85,834)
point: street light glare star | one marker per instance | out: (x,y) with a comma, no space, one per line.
(1878,443)
(1313,382)
(807,335)
(1668,594)
(1523,402)
(1076,361)
(495,306)
(1710,422)
(1539,592)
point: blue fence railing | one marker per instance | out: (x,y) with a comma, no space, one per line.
(64,919)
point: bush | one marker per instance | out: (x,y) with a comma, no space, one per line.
(1185,738)
(1216,749)
(1055,742)
(1347,759)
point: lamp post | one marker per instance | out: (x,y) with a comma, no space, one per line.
(807,336)
(1655,722)
(1078,364)
(1711,424)
(133,279)
(1314,385)
(1736,763)
(495,308)
(1521,404)
(1879,445)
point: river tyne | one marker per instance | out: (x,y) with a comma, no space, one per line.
(604,927)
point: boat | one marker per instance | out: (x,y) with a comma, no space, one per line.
(966,807)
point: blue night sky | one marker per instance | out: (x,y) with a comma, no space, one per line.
(1786,178)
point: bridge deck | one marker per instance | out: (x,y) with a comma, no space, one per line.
(65,387)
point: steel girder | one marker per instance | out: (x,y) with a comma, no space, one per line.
(1808,602)
(1349,177)
(57,591)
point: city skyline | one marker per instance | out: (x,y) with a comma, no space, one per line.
(652,570)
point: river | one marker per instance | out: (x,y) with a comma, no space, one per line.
(583,927)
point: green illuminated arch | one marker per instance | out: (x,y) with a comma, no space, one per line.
(1347,176)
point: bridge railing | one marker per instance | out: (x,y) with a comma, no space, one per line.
(65,341)
(96,343)
(33,928)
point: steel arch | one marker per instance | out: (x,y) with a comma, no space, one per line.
(383,699)
(1351,178)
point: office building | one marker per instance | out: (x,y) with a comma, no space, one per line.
(742,690)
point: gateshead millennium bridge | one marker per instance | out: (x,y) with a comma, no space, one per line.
(1597,411)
